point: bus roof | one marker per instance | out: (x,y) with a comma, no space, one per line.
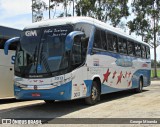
(7,32)
(73,20)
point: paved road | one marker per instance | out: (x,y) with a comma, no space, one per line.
(124,104)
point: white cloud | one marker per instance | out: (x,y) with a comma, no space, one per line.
(15,7)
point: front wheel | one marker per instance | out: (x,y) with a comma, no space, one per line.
(140,86)
(49,101)
(95,94)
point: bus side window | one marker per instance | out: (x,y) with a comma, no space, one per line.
(148,52)
(143,51)
(13,46)
(138,50)
(103,38)
(76,51)
(114,43)
(2,42)
(122,46)
(125,46)
(109,40)
(97,39)
(130,47)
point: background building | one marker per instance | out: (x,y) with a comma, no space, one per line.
(7,33)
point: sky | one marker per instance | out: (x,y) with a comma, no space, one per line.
(18,14)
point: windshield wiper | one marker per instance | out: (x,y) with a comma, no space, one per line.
(34,56)
(43,59)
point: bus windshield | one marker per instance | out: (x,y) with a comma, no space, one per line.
(42,50)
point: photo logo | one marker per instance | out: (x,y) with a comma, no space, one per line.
(6,121)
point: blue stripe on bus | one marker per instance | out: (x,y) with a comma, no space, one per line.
(50,94)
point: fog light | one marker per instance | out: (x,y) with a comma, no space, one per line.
(61,93)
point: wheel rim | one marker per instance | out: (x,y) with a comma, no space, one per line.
(94,93)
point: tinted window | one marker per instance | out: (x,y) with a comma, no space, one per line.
(109,40)
(143,51)
(86,28)
(148,52)
(122,45)
(13,46)
(97,39)
(138,50)
(130,48)
(115,43)
(2,42)
(112,42)
(103,38)
(76,58)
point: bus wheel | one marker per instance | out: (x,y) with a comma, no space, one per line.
(140,86)
(95,94)
(49,101)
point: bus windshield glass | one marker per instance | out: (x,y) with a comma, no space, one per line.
(42,50)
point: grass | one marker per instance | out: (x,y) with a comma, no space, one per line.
(152,73)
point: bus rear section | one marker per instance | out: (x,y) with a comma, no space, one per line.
(7,62)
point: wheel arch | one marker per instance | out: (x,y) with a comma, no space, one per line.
(98,80)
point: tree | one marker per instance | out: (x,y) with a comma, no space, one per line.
(53,4)
(38,7)
(104,10)
(145,23)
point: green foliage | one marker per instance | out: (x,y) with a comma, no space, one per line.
(152,73)
(152,63)
(38,7)
(104,10)
(145,12)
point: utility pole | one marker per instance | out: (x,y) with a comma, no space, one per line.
(32,11)
(155,53)
(49,9)
(155,46)
(66,7)
(73,7)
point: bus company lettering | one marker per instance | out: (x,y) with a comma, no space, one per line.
(13,59)
(48,31)
(31,33)
(124,63)
(145,65)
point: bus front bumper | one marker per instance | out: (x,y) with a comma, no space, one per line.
(62,92)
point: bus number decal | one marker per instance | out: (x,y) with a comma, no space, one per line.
(58,78)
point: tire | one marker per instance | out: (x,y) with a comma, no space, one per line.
(95,94)
(49,101)
(140,86)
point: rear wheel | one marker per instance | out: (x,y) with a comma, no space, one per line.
(140,87)
(95,94)
(49,101)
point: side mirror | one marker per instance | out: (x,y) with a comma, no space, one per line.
(8,42)
(70,39)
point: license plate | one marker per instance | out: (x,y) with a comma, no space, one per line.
(36,95)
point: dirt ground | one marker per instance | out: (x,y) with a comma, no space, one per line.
(124,104)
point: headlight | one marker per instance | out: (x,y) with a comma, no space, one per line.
(20,85)
(17,83)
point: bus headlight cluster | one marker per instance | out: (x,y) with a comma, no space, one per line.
(20,85)
(61,82)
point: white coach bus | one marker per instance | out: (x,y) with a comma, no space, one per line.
(77,57)
(7,62)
